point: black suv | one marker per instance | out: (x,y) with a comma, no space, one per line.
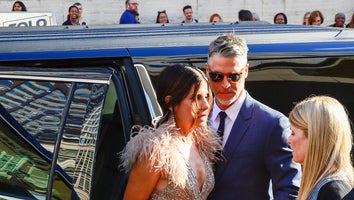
(70,95)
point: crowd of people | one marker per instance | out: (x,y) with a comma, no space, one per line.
(131,16)
(314,18)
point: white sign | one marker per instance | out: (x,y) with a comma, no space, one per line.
(14,19)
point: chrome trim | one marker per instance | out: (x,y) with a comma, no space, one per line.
(48,78)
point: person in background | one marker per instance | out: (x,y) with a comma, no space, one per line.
(254,135)
(316,18)
(129,16)
(188,14)
(73,16)
(137,17)
(19,6)
(173,159)
(215,18)
(255,17)
(245,15)
(280,18)
(306,18)
(321,140)
(351,23)
(162,17)
(339,21)
(79,6)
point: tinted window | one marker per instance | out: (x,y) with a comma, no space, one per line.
(38,106)
(281,83)
(24,172)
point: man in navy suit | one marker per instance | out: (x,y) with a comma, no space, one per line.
(254,135)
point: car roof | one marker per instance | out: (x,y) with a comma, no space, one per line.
(58,42)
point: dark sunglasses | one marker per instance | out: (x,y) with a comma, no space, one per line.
(217,77)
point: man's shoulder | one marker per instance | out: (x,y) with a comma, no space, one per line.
(263,108)
(126,13)
(194,21)
(127,17)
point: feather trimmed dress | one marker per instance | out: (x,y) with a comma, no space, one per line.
(163,147)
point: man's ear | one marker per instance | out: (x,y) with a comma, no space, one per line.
(246,70)
(206,67)
(167,100)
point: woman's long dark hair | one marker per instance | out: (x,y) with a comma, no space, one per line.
(158,15)
(21,4)
(284,16)
(176,81)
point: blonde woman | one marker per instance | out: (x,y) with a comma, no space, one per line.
(321,140)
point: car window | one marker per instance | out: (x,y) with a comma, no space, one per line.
(38,105)
(281,80)
(281,83)
(24,171)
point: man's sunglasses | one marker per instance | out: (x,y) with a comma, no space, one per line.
(217,77)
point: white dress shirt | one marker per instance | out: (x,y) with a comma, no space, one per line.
(232,113)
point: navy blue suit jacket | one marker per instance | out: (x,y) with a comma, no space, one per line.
(255,153)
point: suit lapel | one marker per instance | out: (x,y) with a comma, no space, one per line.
(238,131)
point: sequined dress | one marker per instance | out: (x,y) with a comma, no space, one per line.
(191,191)
(164,146)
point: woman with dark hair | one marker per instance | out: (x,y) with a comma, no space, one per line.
(73,16)
(19,6)
(174,157)
(162,17)
(280,18)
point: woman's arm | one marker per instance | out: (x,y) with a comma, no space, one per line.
(142,180)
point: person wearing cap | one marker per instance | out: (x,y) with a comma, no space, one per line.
(339,20)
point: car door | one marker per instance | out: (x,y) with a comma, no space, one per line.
(61,109)
(81,117)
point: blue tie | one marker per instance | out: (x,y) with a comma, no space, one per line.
(221,128)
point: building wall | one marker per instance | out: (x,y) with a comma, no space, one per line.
(109,11)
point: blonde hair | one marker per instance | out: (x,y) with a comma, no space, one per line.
(327,127)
